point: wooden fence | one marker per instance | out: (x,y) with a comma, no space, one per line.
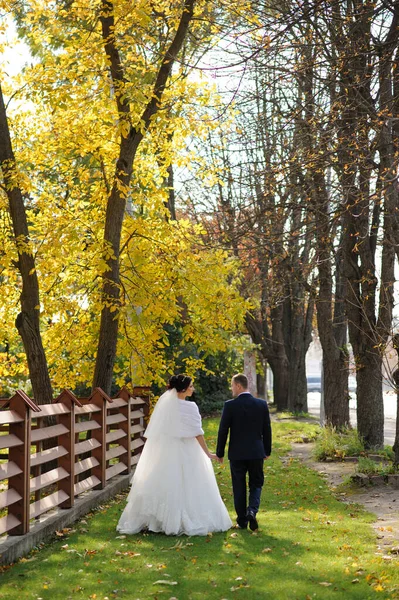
(87,442)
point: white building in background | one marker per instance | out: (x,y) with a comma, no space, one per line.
(314,359)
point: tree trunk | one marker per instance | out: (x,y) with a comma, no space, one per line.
(336,394)
(395,376)
(298,396)
(280,370)
(297,389)
(28,320)
(355,154)
(272,348)
(171,203)
(298,336)
(262,379)
(370,407)
(278,360)
(395,447)
(330,318)
(109,323)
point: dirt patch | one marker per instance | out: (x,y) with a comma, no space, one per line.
(382,500)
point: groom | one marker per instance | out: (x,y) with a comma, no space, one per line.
(247,418)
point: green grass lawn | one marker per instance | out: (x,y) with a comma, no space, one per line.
(309,546)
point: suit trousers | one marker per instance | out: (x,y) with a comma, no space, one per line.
(239,470)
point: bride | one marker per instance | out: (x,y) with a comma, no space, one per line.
(174,488)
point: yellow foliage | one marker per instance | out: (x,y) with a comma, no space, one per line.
(66,134)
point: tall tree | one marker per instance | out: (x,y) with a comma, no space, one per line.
(67,154)
(129,143)
(28,320)
(369,318)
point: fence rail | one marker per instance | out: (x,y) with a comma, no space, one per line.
(52,453)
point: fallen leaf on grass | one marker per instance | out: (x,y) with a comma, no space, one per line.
(325,583)
(73,551)
(164,582)
(179,546)
(355,580)
(266,550)
(238,587)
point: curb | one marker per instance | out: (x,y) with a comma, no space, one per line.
(13,547)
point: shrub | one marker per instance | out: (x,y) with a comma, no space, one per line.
(387,453)
(338,444)
(370,467)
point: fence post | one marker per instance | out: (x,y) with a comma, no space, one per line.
(144,392)
(100,399)
(126,442)
(20,455)
(67,440)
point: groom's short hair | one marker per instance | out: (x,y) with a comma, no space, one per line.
(241,379)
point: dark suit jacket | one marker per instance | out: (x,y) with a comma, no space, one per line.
(248,420)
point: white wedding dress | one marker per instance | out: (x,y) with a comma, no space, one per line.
(174,488)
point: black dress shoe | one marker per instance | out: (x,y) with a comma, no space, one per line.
(241,525)
(253,523)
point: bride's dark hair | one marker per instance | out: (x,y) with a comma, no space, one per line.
(179,382)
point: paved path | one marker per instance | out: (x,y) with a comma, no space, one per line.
(381,500)
(389,413)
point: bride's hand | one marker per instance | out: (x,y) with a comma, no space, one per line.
(212,456)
